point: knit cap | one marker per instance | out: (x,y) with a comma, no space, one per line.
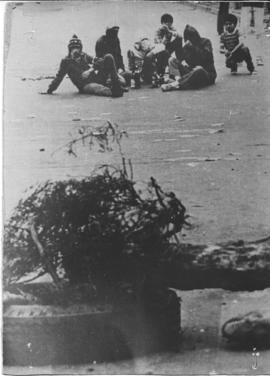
(75,42)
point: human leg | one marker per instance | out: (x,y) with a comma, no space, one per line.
(176,47)
(243,54)
(246,56)
(97,89)
(174,70)
(149,67)
(232,64)
(162,59)
(135,64)
(177,69)
(195,79)
(110,70)
(125,78)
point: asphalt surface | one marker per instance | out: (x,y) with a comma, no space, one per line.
(222,178)
(216,157)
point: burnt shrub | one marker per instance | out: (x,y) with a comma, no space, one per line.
(95,230)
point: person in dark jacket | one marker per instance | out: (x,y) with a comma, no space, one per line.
(197,67)
(110,44)
(90,75)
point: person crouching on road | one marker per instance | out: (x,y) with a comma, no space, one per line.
(88,74)
(167,41)
(197,69)
(141,62)
(235,52)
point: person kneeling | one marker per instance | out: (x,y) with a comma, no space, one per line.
(141,62)
(197,69)
(90,75)
(235,51)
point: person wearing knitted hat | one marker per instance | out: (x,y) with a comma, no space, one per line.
(235,51)
(88,74)
(109,43)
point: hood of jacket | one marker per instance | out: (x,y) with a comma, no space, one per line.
(191,34)
(112,31)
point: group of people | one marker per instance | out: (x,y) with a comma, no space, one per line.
(188,60)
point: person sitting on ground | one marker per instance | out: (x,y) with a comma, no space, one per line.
(168,37)
(196,69)
(141,62)
(235,51)
(88,74)
(110,44)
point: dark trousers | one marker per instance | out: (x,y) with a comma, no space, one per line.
(241,54)
(197,78)
(163,57)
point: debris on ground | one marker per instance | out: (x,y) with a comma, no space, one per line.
(249,330)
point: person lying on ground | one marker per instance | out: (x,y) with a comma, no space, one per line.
(88,74)
(167,41)
(196,69)
(110,44)
(235,51)
(141,62)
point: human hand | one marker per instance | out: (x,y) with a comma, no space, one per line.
(188,43)
(45,93)
(120,70)
(86,73)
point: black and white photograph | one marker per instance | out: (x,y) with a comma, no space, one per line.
(136,188)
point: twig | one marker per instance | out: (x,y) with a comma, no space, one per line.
(131,169)
(259,240)
(36,277)
(45,259)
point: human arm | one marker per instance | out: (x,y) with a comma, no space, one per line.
(201,52)
(89,60)
(120,62)
(100,47)
(163,35)
(62,71)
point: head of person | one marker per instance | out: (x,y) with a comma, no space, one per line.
(143,44)
(112,32)
(192,35)
(75,47)
(230,23)
(166,19)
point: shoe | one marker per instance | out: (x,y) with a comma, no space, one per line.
(155,81)
(234,70)
(117,90)
(161,79)
(171,86)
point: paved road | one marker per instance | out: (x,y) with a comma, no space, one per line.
(222,178)
(227,196)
